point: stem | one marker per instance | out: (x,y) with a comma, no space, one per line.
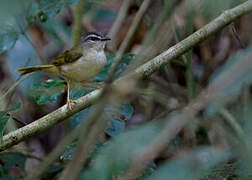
(78,14)
(130,33)
(118,23)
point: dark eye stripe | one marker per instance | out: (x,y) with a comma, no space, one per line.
(93,38)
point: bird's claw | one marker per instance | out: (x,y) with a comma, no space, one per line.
(69,103)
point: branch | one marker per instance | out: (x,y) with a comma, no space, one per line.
(143,71)
(48,120)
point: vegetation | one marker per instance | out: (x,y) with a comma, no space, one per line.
(176,103)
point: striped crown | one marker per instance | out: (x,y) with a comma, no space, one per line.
(94,36)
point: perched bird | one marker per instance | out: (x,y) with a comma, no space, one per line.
(78,64)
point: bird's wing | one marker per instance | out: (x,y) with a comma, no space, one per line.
(68,56)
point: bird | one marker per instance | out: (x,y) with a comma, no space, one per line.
(78,64)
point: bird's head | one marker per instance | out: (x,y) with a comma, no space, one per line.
(94,40)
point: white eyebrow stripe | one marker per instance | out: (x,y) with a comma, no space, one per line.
(92,35)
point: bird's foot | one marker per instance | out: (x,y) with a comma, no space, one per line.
(69,103)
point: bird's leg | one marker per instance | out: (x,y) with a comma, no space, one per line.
(69,101)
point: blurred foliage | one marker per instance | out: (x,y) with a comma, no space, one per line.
(117,115)
(126,59)
(195,165)
(243,168)
(212,8)
(234,89)
(78,117)
(8,10)
(41,11)
(8,37)
(67,155)
(118,118)
(114,158)
(47,91)
(5,116)
(24,21)
(12,163)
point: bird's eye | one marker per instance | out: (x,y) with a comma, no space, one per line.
(94,39)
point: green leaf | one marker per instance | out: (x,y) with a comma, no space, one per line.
(10,162)
(9,9)
(79,117)
(48,91)
(56,29)
(56,168)
(15,108)
(67,155)
(40,12)
(103,75)
(193,166)
(53,82)
(233,90)
(126,110)
(8,37)
(78,92)
(118,118)
(5,116)
(115,127)
(115,157)
(126,59)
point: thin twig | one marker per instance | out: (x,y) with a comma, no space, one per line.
(232,122)
(131,32)
(118,23)
(155,38)
(10,91)
(77,27)
(236,35)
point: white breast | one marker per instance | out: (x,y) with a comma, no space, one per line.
(85,68)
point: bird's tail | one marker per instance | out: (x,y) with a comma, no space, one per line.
(46,68)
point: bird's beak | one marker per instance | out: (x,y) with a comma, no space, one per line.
(105,39)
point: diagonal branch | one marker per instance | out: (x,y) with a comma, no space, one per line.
(145,70)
